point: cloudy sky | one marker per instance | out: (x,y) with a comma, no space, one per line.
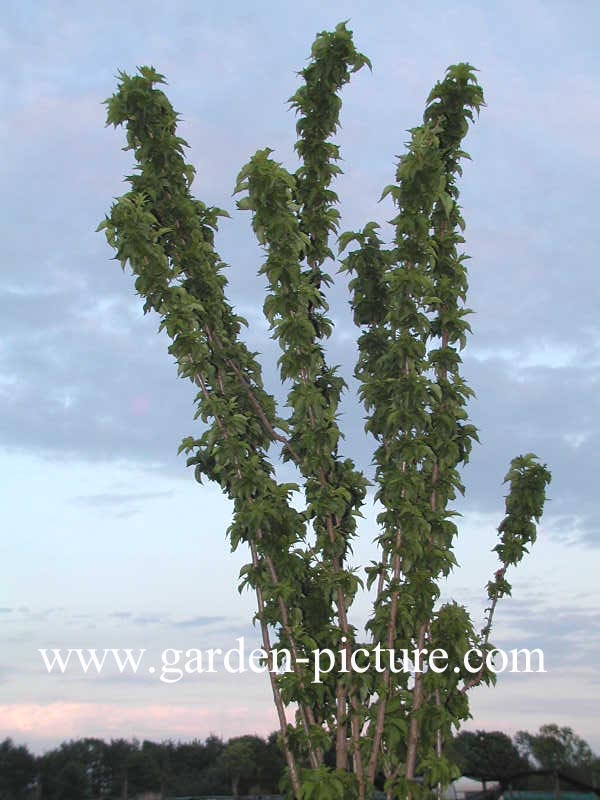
(106,539)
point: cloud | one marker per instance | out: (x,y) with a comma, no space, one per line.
(112,499)
(197,622)
(147,620)
(566,639)
(47,724)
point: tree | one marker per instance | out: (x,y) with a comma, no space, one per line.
(161,756)
(239,760)
(557,748)
(143,771)
(78,768)
(408,300)
(72,782)
(117,758)
(487,755)
(194,768)
(272,766)
(17,770)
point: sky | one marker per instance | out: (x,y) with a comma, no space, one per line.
(106,540)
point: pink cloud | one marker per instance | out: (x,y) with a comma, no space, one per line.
(45,725)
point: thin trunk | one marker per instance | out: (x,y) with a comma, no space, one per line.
(413,728)
(306,713)
(439,744)
(391,637)
(382,701)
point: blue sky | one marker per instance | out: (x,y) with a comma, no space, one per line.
(106,539)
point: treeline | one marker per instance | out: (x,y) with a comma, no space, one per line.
(91,769)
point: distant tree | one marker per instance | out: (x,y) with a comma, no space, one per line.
(213,748)
(91,752)
(72,782)
(186,765)
(195,769)
(487,755)
(143,771)
(273,764)
(162,756)
(241,763)
(553,747)
(117,758)
(595,771)
(63,771)
(122,769)
(17,770)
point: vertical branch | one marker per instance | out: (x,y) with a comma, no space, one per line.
(415,461)
(334,59)
(292,217)
(417,702)
(449,108)
(439,744)
(289,756)
(167,238)
(397,402)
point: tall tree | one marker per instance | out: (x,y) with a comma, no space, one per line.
(408,300)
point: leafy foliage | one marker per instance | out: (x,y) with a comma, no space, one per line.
(487,755)
(17,770)
(555,747)
(408,300)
